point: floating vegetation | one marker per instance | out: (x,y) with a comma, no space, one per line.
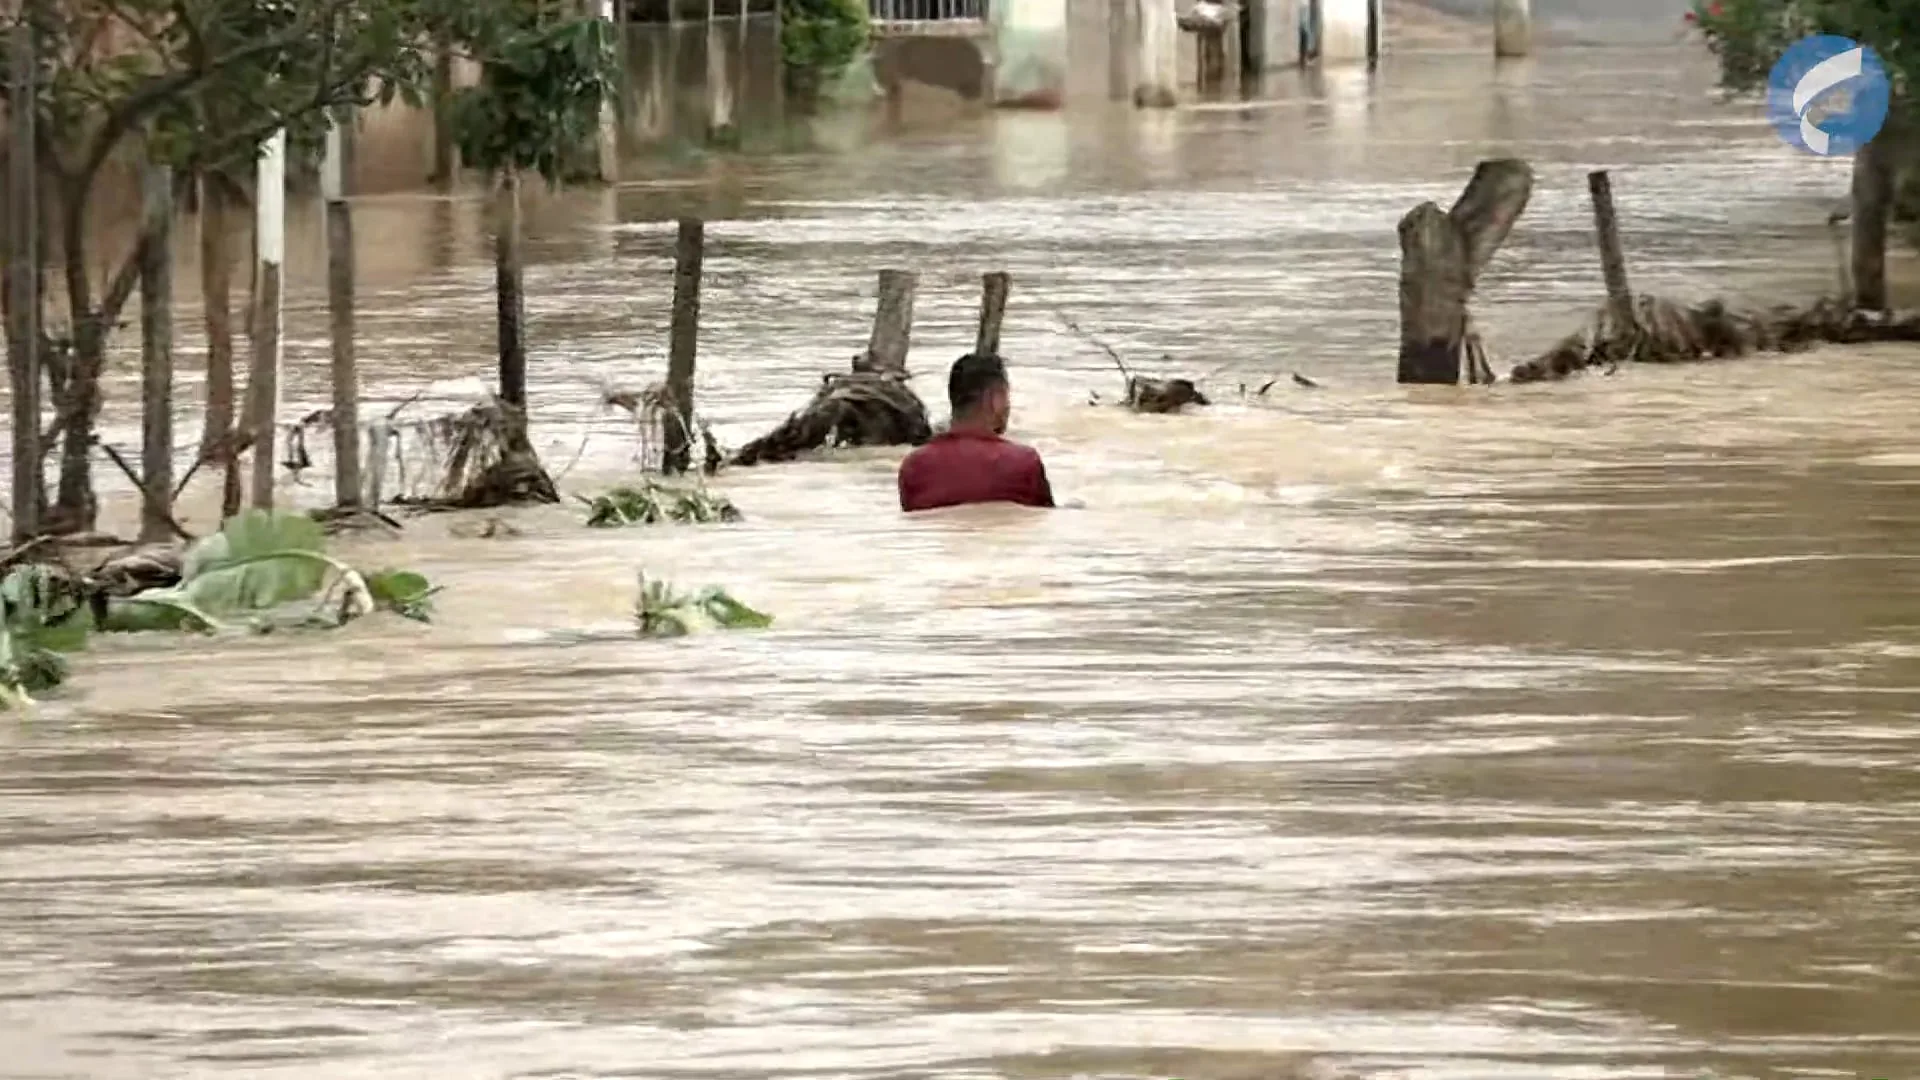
(653,502)
(1665,332)
(406,593)
(663,611)
(42,616)
(262,571)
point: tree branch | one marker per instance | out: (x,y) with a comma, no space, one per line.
(158,89)
(120,288)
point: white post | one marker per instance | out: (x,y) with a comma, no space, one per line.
(270,229)
(719,82)
(1512,27)
(1157,72)
(1343,29)
(609,148)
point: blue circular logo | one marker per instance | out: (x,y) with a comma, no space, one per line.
(1828,95)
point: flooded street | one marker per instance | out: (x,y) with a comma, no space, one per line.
(1540,732)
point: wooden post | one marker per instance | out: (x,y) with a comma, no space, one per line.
(1157,47)
(1872,206)
(689,253)
(1512,28)
(216,295)
(994,287)
(379,448)
(270,232)
(1613,257)
(892,321)
(346,375)
(156,354)
(1442,254)
(23,285)
(510,298)
(445,165)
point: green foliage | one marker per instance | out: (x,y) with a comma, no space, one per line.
(1749,36)
(662,611)
(203,81)
(41,616)
(199,84)
(819,38)
(262,571)
(403,592)
(539,95)
(654,502)
(265,571)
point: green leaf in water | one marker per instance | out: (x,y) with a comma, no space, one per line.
(664,612)
(403,592)
(42,614)
(258,560)
(652,502)
(730,614)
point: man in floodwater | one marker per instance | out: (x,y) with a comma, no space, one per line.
(970,462)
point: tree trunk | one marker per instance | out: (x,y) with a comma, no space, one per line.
(216,297)
(75,507)
(510,298)
(892,322)
(23,290)
(1872,205)
(689,253)
(156,355)
(1442,255)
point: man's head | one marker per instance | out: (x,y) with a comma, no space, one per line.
(977,389)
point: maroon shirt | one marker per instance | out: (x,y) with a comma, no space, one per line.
(960,467)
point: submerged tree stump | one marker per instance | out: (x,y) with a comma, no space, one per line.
(860,408)
(1147,395)
(872,405)
(1442,254)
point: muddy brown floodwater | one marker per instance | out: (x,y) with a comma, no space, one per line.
(1541,732)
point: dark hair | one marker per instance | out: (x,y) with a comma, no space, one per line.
(973,375)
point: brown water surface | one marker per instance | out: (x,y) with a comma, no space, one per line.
(1536,732)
